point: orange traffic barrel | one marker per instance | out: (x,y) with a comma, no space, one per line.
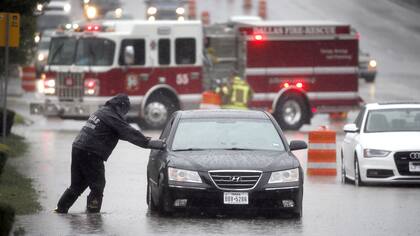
(192,9)
(247,4)
(338,115)
(262,9)
(322,153)
(28,78)
(205,17)
(210,100)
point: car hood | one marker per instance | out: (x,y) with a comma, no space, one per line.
(391,141)
(232,160)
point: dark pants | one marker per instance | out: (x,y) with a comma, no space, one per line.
(87,170)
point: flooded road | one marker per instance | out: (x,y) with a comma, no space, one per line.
(330,207)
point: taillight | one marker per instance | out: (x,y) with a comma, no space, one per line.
(258,37)
(91,87)
(49,85)
(291,84)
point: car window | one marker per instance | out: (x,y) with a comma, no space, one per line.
(139,51)
(393,120)
(167,129)
(185,51)
(227,133)
(164,51)
(359,118)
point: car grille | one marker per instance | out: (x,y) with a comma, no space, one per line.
(235,180)
(69,86)
(401,161)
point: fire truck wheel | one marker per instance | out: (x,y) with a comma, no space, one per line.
(157,112)
(291,112)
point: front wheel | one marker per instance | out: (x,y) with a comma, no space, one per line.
(157,112)
(149,198)
(164,206)
(344,178)
(291,112)
(357,179)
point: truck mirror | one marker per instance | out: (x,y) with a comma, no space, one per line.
(129,55)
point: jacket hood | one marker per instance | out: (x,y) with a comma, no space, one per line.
(233,160)
(120,103)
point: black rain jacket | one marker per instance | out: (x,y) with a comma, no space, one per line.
(106,126)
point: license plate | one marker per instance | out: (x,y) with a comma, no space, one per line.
(237,198)
(414,166)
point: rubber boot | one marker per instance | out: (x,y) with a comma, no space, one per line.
(66,201)
(94,203)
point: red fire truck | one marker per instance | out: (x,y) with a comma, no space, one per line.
(296,69)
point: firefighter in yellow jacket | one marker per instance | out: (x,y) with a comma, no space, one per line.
(237,94)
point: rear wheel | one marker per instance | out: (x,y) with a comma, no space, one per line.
(157,112)
(291,112)
(357,179)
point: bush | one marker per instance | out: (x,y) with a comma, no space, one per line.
(7,218)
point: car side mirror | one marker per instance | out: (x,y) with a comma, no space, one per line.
(350,128)
(129,55)
(297,145)
(157,144)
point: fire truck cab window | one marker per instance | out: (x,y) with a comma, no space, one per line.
(164,52)
(139,51)
(185,51)
(95,52)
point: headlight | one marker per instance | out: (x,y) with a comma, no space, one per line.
(91,12)
(118,12)
(284,176)
(180,11)
(152,10)
(67,7)
(41,56)
(375,153)
(37,38)
(372,63)
(183,175)
(39,7)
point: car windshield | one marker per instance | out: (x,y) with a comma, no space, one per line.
(84,51)
(393,120)
(227,133)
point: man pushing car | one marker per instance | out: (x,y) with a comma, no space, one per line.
(93,146)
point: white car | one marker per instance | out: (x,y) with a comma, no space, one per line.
(382,145)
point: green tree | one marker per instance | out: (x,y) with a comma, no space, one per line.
(26,9)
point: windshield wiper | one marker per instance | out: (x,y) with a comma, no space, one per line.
(239,149)
(188,149)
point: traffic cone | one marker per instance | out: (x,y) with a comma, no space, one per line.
(210,100)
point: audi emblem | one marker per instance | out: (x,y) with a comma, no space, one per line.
(415,155)
(235,178)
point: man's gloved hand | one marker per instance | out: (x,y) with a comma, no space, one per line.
(156,144)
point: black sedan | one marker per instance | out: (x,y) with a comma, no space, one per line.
(225,160)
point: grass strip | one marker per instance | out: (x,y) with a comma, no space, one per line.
(17,190)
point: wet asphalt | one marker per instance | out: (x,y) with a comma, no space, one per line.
(388,31)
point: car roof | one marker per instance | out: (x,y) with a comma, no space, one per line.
(223,113)
(392,105)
